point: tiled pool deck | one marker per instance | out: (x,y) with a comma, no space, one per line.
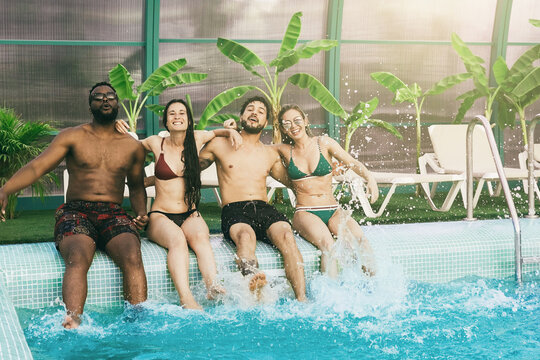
(31,274)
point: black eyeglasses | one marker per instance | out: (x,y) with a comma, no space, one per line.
(101,96)
(287,124)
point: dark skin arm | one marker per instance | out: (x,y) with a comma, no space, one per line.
(206,157)
(137,192)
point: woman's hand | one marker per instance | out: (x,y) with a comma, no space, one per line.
(372,189)
(121,126)
(230,124)
(235,138)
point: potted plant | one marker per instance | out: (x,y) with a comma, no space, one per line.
(21,142)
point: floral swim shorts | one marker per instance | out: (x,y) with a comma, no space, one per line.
(101,221)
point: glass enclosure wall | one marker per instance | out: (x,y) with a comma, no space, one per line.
(52,53)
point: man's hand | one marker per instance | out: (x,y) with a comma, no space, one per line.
(372,189)
(141,221)
(3,204)
(121,126)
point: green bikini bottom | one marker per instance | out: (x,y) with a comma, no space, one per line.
(323,212)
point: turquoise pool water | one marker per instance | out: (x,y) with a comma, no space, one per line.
(385,317)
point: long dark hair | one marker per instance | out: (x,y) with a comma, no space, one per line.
(190,157)
(285,139)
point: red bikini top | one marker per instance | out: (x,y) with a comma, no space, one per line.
(162,169)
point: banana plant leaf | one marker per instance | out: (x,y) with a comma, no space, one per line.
(387,126)
(535,22)
(366,108)
(406,94)
(178,79)
(156,109)
(220,101)
(305,51)
(318,92)
(506,117)
(500,72)
(388,80)
(161,73)
(522,66)
(221,118)
(122,81)
(240,54)
(292,33)
(529,83)
(468,100)
(447,83)
(472,63)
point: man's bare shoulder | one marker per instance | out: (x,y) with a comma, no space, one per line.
(282,149)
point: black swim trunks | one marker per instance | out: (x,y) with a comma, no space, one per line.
(256,213)
(178,219)
(99,220)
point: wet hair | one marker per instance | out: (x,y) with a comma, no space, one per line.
(284,138)
(265,103)
(190,157)
(103,83)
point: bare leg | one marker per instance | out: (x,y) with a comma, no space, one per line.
(168,235)
(366,252)
(246,242)
(197,235)
(78,253)
(125,250)
(314,230)
(281,235)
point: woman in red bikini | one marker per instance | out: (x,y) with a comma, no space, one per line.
(175,223)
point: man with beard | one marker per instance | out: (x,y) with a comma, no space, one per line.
(98,159)
(246,214)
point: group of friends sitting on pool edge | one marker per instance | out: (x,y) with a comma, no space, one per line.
(100,156)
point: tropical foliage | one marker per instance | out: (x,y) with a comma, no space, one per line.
(413,94)
(20,142)
(166,76)
(361,115)
(289,54)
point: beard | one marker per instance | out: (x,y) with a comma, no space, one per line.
(102,118)
(246,126)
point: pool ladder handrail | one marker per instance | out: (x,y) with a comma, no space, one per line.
(530,167)
(504,183)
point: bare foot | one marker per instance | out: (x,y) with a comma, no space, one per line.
(71,321)
(256,284)
(214,290)
(191,305)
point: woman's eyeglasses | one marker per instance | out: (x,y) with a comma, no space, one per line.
(101,96)
(287,124)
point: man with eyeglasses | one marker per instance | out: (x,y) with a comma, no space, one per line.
(246,215)
(99,160)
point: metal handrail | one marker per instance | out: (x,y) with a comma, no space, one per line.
(530,166)
(502,179)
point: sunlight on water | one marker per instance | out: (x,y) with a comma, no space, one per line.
(350,316)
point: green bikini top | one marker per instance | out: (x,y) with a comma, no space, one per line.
(323,167)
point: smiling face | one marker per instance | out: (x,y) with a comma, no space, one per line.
(177,117)
(104,104)
(254,117)
(293,124)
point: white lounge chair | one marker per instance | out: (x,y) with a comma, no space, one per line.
(449,157)
(523,159)
(393,180)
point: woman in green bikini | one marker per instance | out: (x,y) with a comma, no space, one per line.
(308,162)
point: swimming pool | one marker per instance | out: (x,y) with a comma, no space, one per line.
(438,293)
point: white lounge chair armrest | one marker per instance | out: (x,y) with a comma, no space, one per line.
(431,160)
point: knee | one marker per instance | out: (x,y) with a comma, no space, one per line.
(132,259)
(178,244)
(326,244)
(77,260)
(246,241)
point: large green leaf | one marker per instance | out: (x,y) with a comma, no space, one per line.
(240,54)
(388,80)
(447,83)
(304,51)
(530,98)
(468,100)
(529,83)
(161,73)
(220,101)
(506,115)
(178,79)
(522,66)
(472,63)
(535,22)
(500,71)
(156,109)
(291,34)
(404,94)
(387,126)
(366,108)
(319,92)
(122,81)
(221,118)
